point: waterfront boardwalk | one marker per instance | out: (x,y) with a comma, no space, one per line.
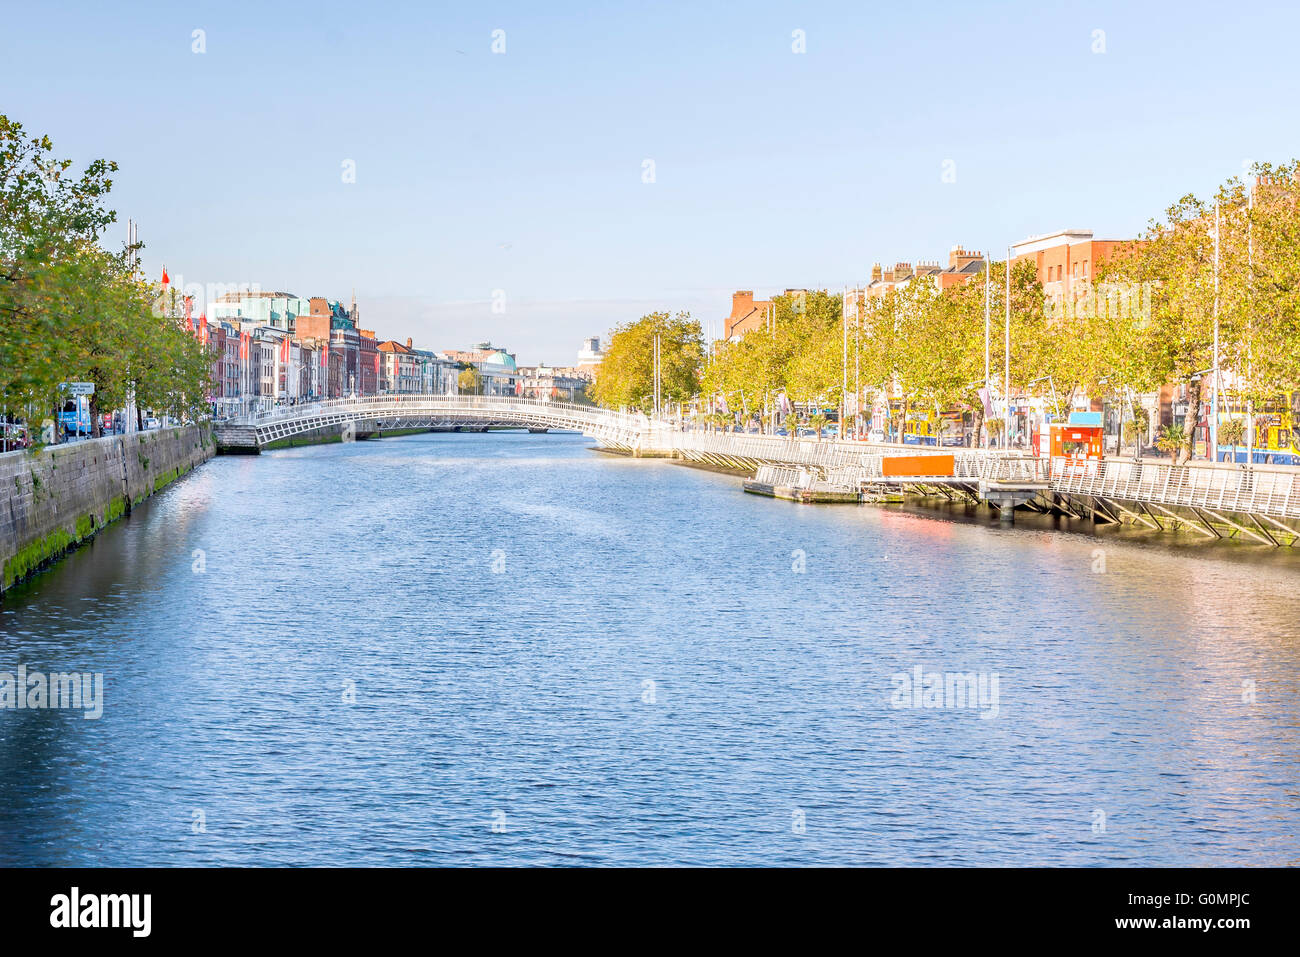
(1259,504)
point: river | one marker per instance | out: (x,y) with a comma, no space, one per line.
(509,649)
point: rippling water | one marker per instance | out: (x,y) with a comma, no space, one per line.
(564,657)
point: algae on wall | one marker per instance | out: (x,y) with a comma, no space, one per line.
(49,514)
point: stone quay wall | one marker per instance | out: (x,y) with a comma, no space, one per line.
(55,499)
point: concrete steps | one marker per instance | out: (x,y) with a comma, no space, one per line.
(236,438)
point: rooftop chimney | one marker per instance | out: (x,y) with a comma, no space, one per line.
(959,257)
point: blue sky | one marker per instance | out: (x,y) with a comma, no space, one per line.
(522,171)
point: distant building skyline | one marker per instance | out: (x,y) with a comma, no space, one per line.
(598,164)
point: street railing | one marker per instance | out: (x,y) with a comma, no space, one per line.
(834,453)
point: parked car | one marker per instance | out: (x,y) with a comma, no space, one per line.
(13,436)
(876,435)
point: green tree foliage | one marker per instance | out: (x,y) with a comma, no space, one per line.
(470,380)
(1172,439)
(1258,293)
(69,309)
(797,352)
(1233,433)
(626,375)
(1146,319)
(1269,356)
(1175,258)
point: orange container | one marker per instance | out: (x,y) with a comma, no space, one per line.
(916,465)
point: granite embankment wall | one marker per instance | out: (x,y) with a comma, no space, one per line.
(53,500)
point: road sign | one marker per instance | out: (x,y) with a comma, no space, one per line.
(79,388)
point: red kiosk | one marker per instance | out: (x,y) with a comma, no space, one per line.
(1077,441)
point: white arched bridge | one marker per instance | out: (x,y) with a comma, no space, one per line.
(249,433)
(1259,503)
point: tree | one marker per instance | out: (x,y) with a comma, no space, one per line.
(47,218)
(626,378)
(1232,433)
(1269,359)
(1172,439)
(1135,429)
(69,309)
(817,421)
(798,352)
(1175,260)
(470,380)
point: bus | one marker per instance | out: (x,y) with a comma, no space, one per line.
(1276,441)
(946,428)
(74,416)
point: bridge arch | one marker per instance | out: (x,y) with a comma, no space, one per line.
(615,430)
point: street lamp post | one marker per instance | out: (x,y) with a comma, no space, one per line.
(1006,373)
(844,358)
(1214,391)
(988,385)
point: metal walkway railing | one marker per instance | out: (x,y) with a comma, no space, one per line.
(1264,490)
(1272,491)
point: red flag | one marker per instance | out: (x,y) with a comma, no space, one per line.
(165,279)
(284,350)
(243,347)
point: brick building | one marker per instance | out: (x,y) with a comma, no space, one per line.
(400,369)
(1065,259)
(746,314)
(963,265)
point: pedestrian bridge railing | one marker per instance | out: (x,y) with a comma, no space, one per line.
(618,429)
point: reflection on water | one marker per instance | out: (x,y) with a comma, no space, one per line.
(392,646)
